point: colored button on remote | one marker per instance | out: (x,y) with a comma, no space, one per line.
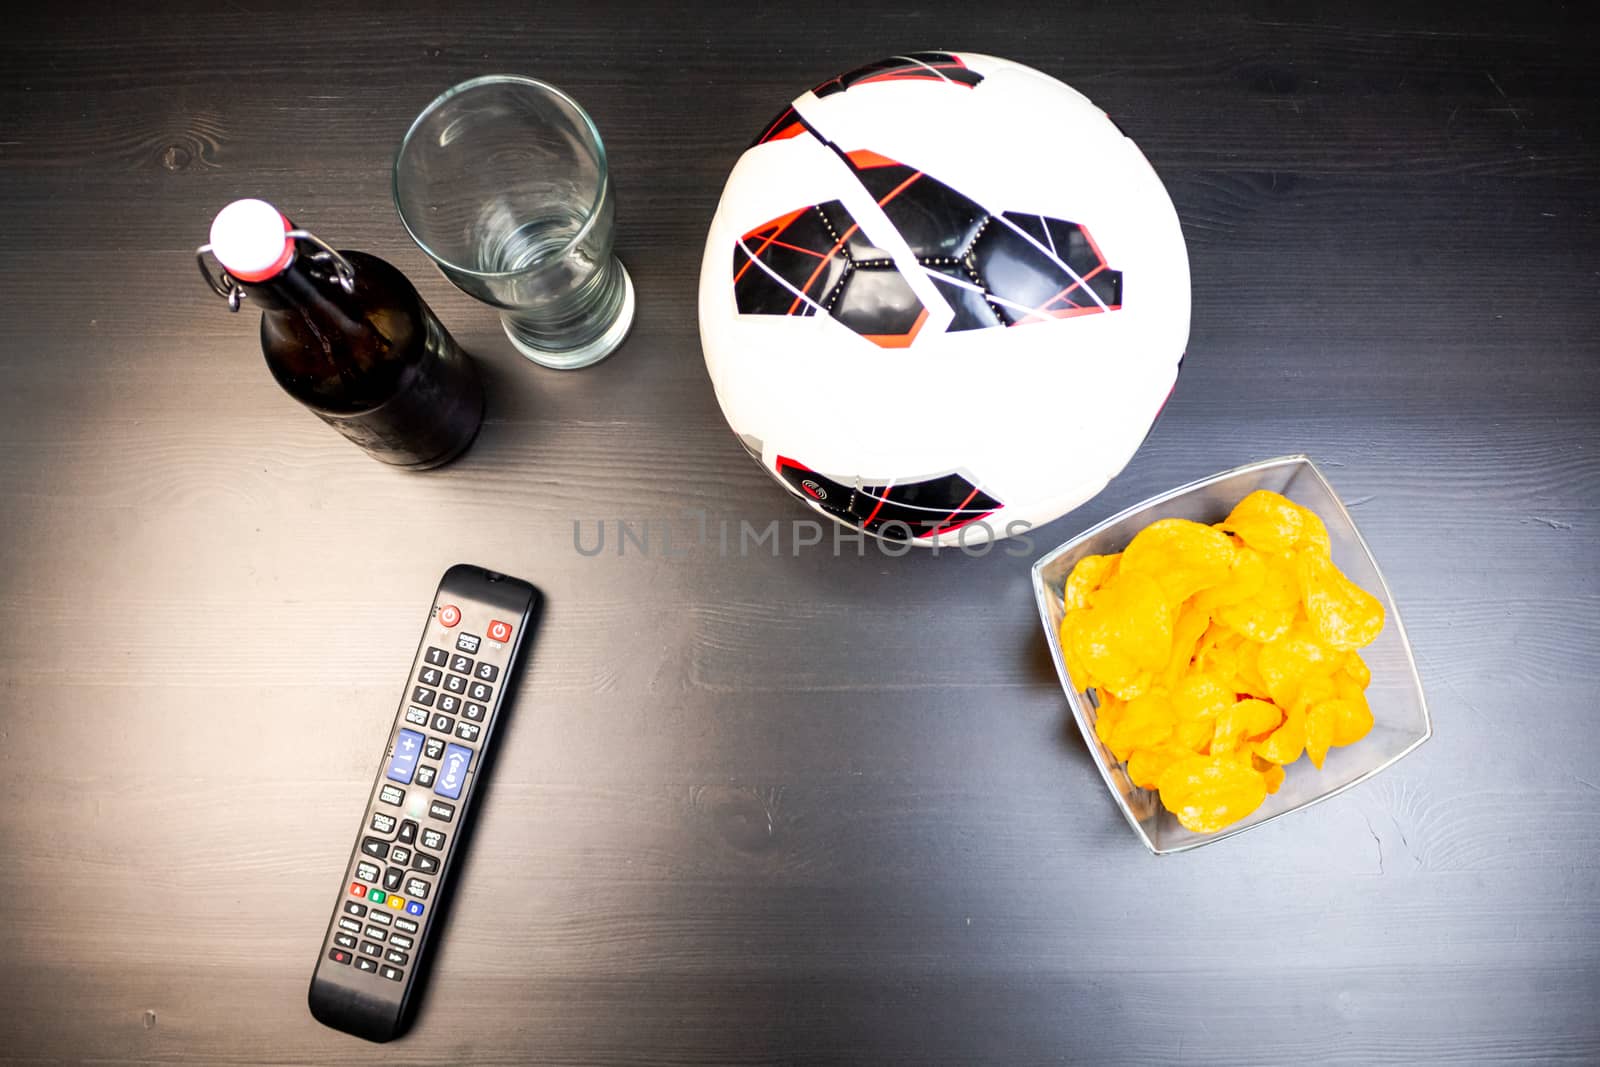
(414,908)
(407,747)
(453,775)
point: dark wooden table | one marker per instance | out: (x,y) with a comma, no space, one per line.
(768,810)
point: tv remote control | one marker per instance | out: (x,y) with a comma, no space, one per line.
(422,803)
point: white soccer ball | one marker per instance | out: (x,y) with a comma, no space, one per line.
(943,298)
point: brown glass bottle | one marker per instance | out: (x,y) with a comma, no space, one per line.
(354,342)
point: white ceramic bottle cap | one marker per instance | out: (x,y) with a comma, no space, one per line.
(250,238)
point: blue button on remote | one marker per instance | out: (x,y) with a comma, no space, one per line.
(453,771)
(403,764)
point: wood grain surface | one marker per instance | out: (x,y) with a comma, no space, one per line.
(770,810)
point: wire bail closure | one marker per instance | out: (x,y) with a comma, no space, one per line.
(230,290)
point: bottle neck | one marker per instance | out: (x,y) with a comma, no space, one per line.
(307,283)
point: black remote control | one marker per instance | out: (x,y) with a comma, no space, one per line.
(422,803)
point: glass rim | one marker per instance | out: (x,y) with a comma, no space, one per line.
(479,82)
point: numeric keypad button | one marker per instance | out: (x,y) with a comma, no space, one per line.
(430,676)
(461,664)
(438,657)
(443,723)
(486,672)
(454,683)
(421,694)
(480,692)
(449,704)
(475,712)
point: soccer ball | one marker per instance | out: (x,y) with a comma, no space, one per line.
(943,298)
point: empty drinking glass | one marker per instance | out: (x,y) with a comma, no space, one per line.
(502,181)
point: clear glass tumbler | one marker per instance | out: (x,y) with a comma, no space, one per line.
(502,181)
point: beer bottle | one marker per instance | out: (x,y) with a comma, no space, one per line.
(347,335)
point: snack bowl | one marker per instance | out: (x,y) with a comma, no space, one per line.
(1399,710)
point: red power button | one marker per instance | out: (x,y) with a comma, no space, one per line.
(449,615)
(499,631)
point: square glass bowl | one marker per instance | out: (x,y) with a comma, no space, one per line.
(1399,712)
